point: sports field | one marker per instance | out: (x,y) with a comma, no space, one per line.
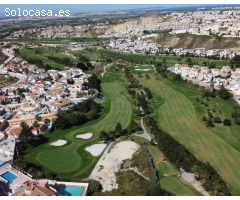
(177,115)
(72,160)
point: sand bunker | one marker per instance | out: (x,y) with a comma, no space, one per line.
(59,143)
(84,136)
(95,149)
(110,163)
(143,70)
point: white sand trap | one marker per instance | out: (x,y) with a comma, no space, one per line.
(95,149)
(143,70)
(84,136)
(59,143)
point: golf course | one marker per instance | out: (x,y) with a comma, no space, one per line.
(177,115)
(71,160)
(176,111)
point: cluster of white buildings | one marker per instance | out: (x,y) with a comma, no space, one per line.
(201,52)
(36,93)
(224,23)
(133,46)
(203,76)
(211,22)
(142,46)
(39,92)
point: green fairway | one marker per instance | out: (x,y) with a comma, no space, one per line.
(72,160)
(168,175)
(177,115)
(47,58)
(166,60)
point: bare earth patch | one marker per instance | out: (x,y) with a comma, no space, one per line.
(95,149)
(59,143)
(191,180)
(84,136)
(110,163)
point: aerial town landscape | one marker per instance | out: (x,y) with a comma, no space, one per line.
(132,102)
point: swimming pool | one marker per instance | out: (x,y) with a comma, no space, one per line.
(70,191)
(10,177)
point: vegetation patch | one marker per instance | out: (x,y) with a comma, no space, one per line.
(7,80)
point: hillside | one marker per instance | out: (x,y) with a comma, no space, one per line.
(198,41)
(141,21)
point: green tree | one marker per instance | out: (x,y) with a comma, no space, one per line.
(93,187)
(223,93)
(227,122)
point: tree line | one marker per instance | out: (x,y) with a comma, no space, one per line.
(77,115)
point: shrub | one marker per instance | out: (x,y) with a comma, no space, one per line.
(210,122)
(227,122)
(217,120)
(94,186)
(224,94)
(237,120)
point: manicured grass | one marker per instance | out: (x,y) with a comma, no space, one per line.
(45,54)
(72,160)
(177,115)
(217,106)
(106,54)
(168,175)
(65,40)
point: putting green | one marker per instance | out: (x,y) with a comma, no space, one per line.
(59,156)
(72,160)
(176,115)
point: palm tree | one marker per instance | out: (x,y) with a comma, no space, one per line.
(38,118)
(36,125)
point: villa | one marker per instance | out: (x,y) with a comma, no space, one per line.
(34,188)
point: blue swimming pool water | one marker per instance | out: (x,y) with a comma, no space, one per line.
(70,191)
(10,177)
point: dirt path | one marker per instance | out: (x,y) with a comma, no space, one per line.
(137,172)
(145,133)
(104,70)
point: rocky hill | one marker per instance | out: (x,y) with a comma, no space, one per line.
(198,41)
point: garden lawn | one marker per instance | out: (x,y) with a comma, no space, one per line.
(177,116)
(72,160)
